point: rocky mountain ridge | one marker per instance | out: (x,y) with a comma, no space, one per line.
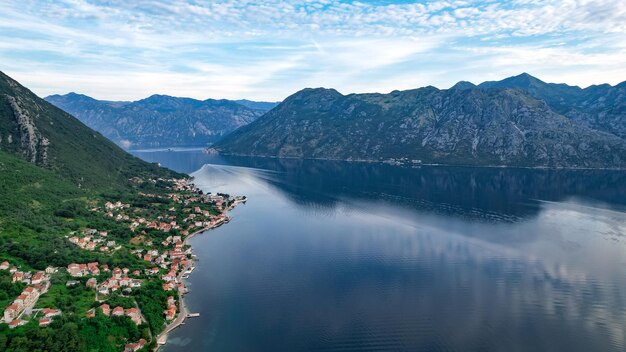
(161,120)
(494,126)
(601,107)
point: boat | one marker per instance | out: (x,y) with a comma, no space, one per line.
(193,315)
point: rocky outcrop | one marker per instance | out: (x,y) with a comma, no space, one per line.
(34,146)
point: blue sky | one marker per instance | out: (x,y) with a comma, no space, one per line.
(267,49)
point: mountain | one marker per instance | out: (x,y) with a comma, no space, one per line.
(47,136)
(602,107)
(463,85)
(480,126)
(161,120)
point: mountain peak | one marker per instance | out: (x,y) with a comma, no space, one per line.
(460,85)
(321,94)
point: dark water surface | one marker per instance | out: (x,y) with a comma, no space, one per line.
(331,256)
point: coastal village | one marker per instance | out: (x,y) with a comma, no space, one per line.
(159,224)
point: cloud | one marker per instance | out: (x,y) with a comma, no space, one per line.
(267,49)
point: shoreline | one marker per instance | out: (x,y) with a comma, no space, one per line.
(161,339)
(488,166)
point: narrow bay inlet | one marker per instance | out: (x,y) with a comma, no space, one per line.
(314,262)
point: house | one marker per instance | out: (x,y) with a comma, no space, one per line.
(133,314)
(74,270)
(49,312)
(17,322)
(103,290)
(11,312)
(4,265)
(92,283)
(18,276)
(171,276)
(106,309)
(118,311)
(37,278)
(117,273)
(132,347)
(71,283)
(21,300)
(43,322)
(170,313)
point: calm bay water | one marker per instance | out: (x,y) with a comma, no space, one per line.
(332,256)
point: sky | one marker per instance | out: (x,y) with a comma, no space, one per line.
(268,49)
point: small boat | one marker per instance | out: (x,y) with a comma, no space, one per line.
(193,315)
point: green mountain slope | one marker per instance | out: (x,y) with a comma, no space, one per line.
(56,175)
(456,126)
(43,134)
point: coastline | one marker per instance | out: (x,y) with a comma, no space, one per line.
(377,161)
(161,339)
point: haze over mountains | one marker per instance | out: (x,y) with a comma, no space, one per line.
(519,121)
(161,120)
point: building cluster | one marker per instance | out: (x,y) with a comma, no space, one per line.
(119,277)
(92,240)
(23,304)
(132,313)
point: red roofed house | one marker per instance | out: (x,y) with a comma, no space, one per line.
(37,278)
(118,311)
(133,314)
(45,321)
(132,347)
(11,313)
(106,309)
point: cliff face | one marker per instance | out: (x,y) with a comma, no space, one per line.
(34,146)
(161,121)
(457,126)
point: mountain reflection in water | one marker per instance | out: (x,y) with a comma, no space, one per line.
(334,256)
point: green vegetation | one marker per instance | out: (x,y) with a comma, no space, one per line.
(56,175)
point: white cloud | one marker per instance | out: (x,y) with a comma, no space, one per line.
(267,49)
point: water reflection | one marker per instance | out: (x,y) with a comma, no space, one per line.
(350,257)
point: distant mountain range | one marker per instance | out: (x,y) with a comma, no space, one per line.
(161,120)
(519,121)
